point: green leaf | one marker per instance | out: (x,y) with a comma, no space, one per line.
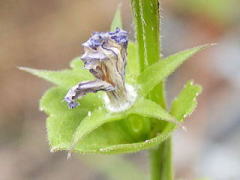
(61,129)
(117,20)
(52,102)
(97,118)
(63,122)
(65,125)
(150,109)
(182,106)
(91,122)
(77,64)
(110,138)
(159,71)
(186,101)
(135,147)
(65,78)
(103,132)
(132,69)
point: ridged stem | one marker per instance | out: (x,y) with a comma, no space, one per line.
(147,27)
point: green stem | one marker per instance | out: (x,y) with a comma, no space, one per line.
(137,13)
(161,161)
(147,27)
(147,22)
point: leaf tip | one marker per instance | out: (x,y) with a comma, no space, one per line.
(26,69)
(74,62)
(29,70)
(69,155)
(205,46)
(198,87)
(213,44)
(52,150)
(117,20)
(184,128)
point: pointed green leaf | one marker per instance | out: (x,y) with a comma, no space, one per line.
(61,129)
(135,147)
(63,122)
(99,117)
(159,71)
(182,106)
(65,78)
(91,122)
(150,109)
(111,137)
(132,69)
(76,63)
(186,101)
(107,139)
(117,20)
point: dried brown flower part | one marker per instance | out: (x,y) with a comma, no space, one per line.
(105,57)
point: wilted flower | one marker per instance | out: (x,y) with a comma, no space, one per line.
(105,56)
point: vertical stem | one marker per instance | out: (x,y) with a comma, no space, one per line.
(137,13)
(161,161)
(147,22)
(147,27)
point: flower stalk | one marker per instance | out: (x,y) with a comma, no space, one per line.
(147,26)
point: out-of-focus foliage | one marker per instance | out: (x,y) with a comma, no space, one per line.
(221,11)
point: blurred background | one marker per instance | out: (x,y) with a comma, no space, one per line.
(48,34)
